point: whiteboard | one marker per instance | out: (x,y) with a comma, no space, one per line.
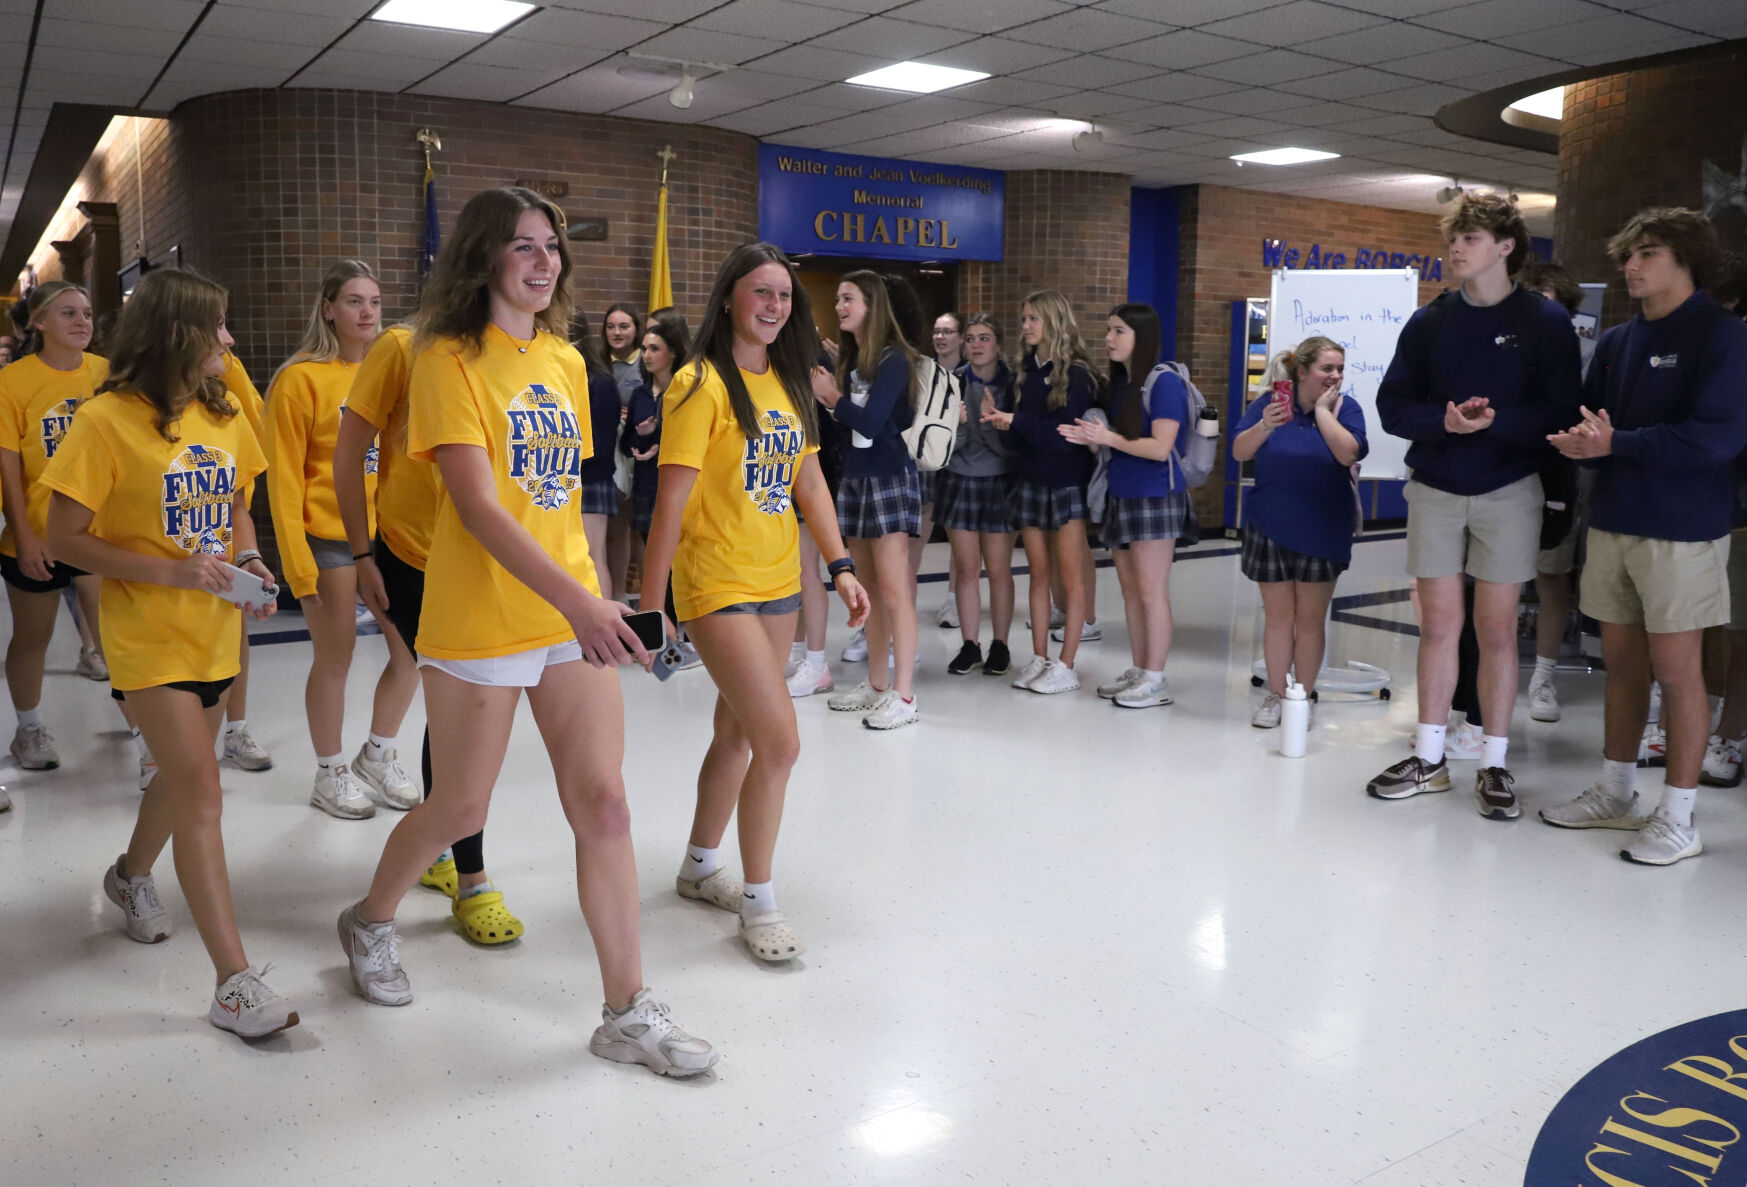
(1363,309)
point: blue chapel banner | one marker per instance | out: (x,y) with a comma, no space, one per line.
(837,204)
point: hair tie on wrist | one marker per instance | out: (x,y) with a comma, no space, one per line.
(359,556)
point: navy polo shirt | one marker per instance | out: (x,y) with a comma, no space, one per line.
(1133,477)
(1303,498)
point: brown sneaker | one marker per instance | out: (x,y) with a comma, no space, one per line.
(1493,795)
(1409,777)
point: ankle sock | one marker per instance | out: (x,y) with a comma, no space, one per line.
(1492,750)
(1617,778)
(29,717)
(1152,676)
(816,659)
(1543,667)
(796,650)
(1428,743)
(699,862)
(328,763)
(377,747)
(759,898)
(467,892)
(1677,804)
(235,727)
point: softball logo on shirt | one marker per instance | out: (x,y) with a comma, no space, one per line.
(54,425)
(198,488)
(370,458)
(545,446)
(769,470)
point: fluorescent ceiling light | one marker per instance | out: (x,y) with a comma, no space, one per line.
(1548,104)
(1284,156)
(918,77)
(465,16)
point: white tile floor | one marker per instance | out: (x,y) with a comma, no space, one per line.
(1051,940)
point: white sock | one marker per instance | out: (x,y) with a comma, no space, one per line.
(796,650)
(699,862)
(1152,676)
(235,727)
(1617,778)
(378,747)
(1544,667)
(1428,743)
(1492,750)
(760,898)
(29,717)
(139,743)
(466,892)
(1677,804)
(330,762)
(816,659)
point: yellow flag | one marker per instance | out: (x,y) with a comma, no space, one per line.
(660,274)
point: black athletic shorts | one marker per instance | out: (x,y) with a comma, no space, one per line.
(60,576)
(209,691)
(405,587)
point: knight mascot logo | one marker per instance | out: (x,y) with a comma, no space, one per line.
(198,488)
(545,446)
(54,425)
(769,470)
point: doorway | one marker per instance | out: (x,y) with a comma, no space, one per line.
(935,284)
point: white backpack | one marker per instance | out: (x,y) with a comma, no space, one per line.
(934,430)
(1193,454)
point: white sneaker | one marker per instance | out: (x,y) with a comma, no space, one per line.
(373,956)
(1653,747)
(146,919)
(1129,678)
(1267,714)
(1662,842)
(91,664)
(1595,808)
(246,1006)
(892,712)
(1057,618)
(1722,765)
(1030,672)
(948,616)
(387,779)
(808,679)
(857,649)
(1145,695)
(148,772)
(1055,677)
(860,699)
(1543,698)
(338,793)
(647,1034)
(242,751)
(33,748)
(1090,632)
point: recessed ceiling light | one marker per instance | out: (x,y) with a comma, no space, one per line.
(1548,104)
(919,77)
(1283,156)
(465,16)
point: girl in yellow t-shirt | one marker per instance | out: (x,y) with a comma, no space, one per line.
(147,491)
(739,454)
(303,424)
(38,396)
(499,400)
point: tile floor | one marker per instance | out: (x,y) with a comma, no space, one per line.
(1051,940)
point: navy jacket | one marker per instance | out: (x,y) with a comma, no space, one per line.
(1676,391)
(604,410)
(881,421)
(1045,456)
(645,476)
(1463,350)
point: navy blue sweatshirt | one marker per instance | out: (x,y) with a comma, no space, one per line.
(877,450)
(1473,350)
(1676,391)
(1045,456)
(603,417)
(645,476)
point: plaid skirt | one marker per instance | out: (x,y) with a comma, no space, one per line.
(929,481)
(967,503)
(642,510)
(868,508)
(1264,560)
(1160,517)
(1033,505)
(600,497)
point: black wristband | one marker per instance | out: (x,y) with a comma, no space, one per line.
(363,556)
(842,564)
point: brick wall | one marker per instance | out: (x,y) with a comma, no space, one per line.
(1220,261)
(1641,139)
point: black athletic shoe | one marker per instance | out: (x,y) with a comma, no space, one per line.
(999,661)
(969,656)
(1493,794)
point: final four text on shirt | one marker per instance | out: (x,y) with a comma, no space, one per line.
(1276,254)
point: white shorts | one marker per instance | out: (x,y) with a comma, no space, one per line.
(524,669)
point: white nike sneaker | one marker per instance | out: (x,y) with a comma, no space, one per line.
(246,1006)
(647,1034)
(808,679)
(338,793)
(386,779)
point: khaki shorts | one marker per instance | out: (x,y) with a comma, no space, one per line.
(1738,579)
(1665,586)
(1491,537)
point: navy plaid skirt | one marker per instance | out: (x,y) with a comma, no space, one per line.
(974,503)
(1160,517)
(642,510)
(929,481)
(1033,505)
(599,498)
(1264,560)
(868,508)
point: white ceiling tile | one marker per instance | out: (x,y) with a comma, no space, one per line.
(701,45)
(780,20)
(1091,104)
(890,39)
(1464,60)
(61,34)
(478,80)
(1255,101)
(1088,29)
(1011,90)
(760,121)
(1423,99)
(55,59)
(186,78)
(1344,84)
(598,88)
(1597,38)
(1595,55)
(350,9)
(1315,115)
(1703,16)
(978,16)
(389,71)
(263,56)
(157,14)
(1242,125)
(1294,23)
(841,97)
(1171,139)
(540,55)
(1261,69)
(863,6)
(1183,49)
(407,41)
(254,25)
(1089,70)
(1495,20)
(1383,125)
(848,129)
(670,11)
(55,86)
(705,107)
(1380,43)
(997,55)
(826,65)
(756,86)
(1184,12)
(937,109)
(586,31)
(1173,88)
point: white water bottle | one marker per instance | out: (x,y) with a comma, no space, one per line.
(1294,722)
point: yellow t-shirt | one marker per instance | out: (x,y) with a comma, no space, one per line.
(407,490)
(37,404)
(739,540)
(159,498)
(237,382)
(520,406)
(303,422)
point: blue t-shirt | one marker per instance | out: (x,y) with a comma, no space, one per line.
(1138,478)
(1303,498)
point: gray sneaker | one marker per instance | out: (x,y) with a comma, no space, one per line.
(647,1034)
(33,748)
(146,919)
(1267,714)
(373,955)
(1662,842)
(1411,776)
(1129,678)
(91,665)
(1494,797)
(242,751)
(1595,808)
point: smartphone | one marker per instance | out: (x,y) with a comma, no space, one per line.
(248,590)
(1283,392)
(650,632)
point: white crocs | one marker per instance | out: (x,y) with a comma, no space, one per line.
(720,889)
(770,938)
